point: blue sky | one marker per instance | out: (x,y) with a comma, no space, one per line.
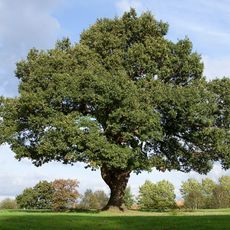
(39,23)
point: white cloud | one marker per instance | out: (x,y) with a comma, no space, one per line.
(24,24)
(15,176)
(214,174)
(216,67)
(125,5)
(217,172)
(206,23)
(6,197)
(13,184)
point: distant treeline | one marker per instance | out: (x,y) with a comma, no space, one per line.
(63,195)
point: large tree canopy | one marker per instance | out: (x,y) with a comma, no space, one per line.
(122,99)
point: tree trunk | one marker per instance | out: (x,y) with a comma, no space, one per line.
(117,180)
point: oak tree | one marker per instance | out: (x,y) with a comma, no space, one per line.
(123,99)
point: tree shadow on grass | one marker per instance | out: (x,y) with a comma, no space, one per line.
(62,221)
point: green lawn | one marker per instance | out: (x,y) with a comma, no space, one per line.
(202,219)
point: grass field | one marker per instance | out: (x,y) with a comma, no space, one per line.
(131,220)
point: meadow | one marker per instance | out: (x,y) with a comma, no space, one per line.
(136,220)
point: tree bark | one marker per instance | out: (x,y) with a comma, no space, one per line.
(117,180)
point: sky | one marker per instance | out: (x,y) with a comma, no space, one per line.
(39,23)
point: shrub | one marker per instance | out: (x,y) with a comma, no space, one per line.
(93,200)
(159,196)
(8,204)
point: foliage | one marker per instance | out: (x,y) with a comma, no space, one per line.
(221,193)
(122,99)
(27,199)
(65,194)
(128,198)
(224,181)
(57,195)
(208,185)
(93,200)
(44,194)
(101,197)
(206,194)
(38,197)
(221,89)
(156,196)
(8,204)
(191,191)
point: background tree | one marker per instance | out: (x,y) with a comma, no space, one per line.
(122,99)
(144,198)
(38,197)
(208,185)
(65,194)
(165,195)
(88,200)
(224,181)
(27,199)
(8,204)
(221,193)
(128,198)
(102,198)
(206,194)
(58,195)
(44,194)
(93,200)
(192,194)
(159,196)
